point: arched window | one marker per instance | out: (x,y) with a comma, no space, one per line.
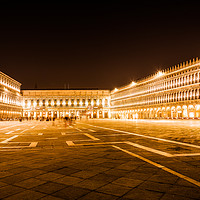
(106,102)
(89,102)
(78,102)
(83,102)
(26,103)
(55,102)
(95,102)
(72,102)
(49,102)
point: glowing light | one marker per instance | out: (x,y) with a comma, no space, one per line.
(6,89)
(115,90)
(198,107)
(159,74)
(133,83)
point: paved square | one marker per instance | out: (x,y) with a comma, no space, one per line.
(100,159)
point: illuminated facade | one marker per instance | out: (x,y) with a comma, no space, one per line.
(169,94)
(10,98)
(173,93)
(62,103)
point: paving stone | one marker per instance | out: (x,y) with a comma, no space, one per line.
(128,167)
(19,170)
(138,176)
(66,171)
(5,174)
(71,193)
(35,172)
(26,195)
(9,190)
(49,197)
(84,174)
(98,196)
(147,170)
(182,182)
(128,182)
(138,194)
(50,176)
(97,169)
(90,184)
(109,164)
(15,178)
(174,197)
(113,189)
(185,191)
(154,186)
(2,184)
(117,172)
(49,187)
(30,183)
(68,180)
(104,177)
(170,179)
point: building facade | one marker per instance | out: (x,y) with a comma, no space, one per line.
(61,103)
(169,94)
(10,98)
(173,93)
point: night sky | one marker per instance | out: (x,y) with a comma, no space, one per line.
(82,45)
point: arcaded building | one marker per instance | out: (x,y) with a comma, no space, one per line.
(90,103)
(173,93)
(10,98)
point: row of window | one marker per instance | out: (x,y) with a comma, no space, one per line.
(9,99)
(177,82)
(166,98)
(66,102)
(6,82)
(159,85)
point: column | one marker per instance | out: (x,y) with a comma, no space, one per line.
(109,114)
(58,114)
(92,114)
(34,115)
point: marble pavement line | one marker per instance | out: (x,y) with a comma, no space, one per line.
(145,136)
(70,143)
(24,130)
(90,136)
(150,149)
(7,140)
(197,183)
(9,132)
(91,130)
(78,129)
(9,127)
(33,144)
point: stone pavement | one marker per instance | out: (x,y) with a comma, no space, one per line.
(55,170)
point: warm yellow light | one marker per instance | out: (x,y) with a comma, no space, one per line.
(159,74)
(133,83)
(115,90)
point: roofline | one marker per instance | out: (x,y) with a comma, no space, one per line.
(64,89)
(10,78)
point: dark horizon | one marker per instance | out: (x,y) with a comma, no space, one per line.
(95,45)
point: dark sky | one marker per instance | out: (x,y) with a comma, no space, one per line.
(95,45)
